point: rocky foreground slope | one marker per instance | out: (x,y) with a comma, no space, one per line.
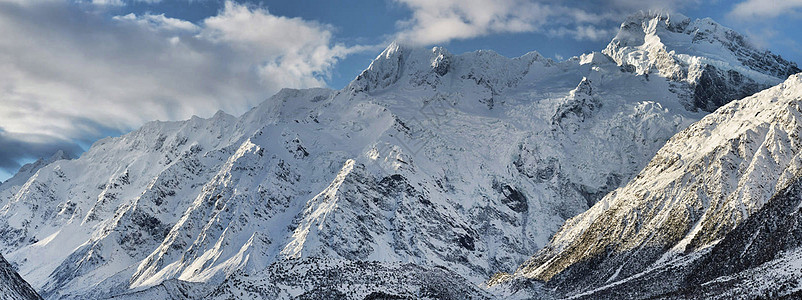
(12,286)
(423,177)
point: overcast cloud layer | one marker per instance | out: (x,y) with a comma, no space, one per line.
(70,73)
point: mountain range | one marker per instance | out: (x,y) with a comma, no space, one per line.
(631,172)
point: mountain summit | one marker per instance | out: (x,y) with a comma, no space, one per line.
(716,63)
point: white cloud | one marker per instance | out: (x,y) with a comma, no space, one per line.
(120,2)
(108,2)
(441,21)
(435,22)
(765,8)
(583,32)
(288,45)
(159,22)
(68,74)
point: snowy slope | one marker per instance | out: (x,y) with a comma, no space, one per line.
(427,163)
(703,183)
(760,258)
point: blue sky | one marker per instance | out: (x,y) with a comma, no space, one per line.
(72,72)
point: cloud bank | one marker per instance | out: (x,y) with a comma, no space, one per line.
(442,21)
(73,74)
(766,8)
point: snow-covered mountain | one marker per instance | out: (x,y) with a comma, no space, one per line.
(714,63)
(696,219)
(428,165)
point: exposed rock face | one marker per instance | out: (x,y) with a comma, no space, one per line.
(767,243)
(332,279)
(12,286)
(706,181)
(578,106)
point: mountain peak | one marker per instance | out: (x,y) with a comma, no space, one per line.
(398,60)
(435,70)
(716,62)
(29,169)
(579,105)
(656,19)
(583,88)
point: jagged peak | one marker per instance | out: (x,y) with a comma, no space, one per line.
(636,27)
(399,59)
(220,114)
(701,53)
(41,162)
(583,88)
(392,49)
(594,58)
(580,104)
(383,71)
(652,27)
(428,64)
(29,169)
(651,20)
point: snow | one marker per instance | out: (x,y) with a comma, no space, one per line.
(719,171)
(467,162)
(321,205)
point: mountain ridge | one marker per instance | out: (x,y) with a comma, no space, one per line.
(672,209)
